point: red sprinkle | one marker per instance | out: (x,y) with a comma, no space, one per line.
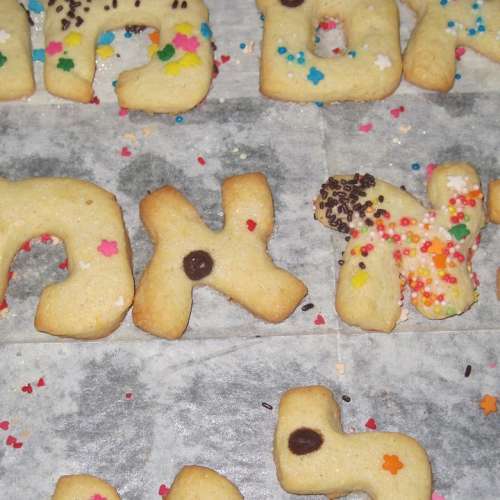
(4,425)
(201,160)
(123,112)
(251,225)
(10,275)
(128,395)
(95,100)
(371,424)
(366,127)
(26,246)
(225,58)
(27,388)
(164,490)
(41,382)
(63,265)
(459,52)
(3,305)
(125,152)
(319,320)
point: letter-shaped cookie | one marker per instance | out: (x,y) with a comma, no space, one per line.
(234,261)
(200,483)
(16,69)
(494,214)
(394,239)
(314,456)
(83,487)
(176,79)
(291,71)
(443,25)
(95,297)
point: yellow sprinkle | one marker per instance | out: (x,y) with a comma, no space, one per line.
(359,279)
(173,68)
(189,60)
(105,51)
(413,252)
(452,210)
(184,28)
(437,309)
(73,39)
(423,271)
(153,49)
(441,274)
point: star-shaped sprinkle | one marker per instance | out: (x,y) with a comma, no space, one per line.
(383,62)
(315,76)
(392,464)
(4,36)
(108,248)
(488,404)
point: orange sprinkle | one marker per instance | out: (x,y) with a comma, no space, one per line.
(437,246)
(439,261)
(392,464)
(488,404)
(155,37)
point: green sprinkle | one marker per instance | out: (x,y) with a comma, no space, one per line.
(364,229)
(459,232)
(65,64)
(166,53)
(3,59)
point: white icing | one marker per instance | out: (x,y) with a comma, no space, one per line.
(383,62)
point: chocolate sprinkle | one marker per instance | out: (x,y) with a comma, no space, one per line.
(304,441)
(346,398)
(198,265)
(306,307)
(292,3)
(362,265)
(267,406)
(468,369)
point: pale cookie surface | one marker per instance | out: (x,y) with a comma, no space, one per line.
(494,201)
(442,26)
(395,241)
(314,456)
(234,261)
(83,487)
(16,70)
(200,483)
(176,79)
(99,290)
(370,68)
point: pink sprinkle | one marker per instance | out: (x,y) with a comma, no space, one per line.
(97,497)
(164,490)
(54,48)
(319,320)
(108,248)
(63,265)
(201,160)
(366,127)
(126,152)
(492,365)
(187,43)
(46,238)
(328,25)
(397,111)
(4,425)
(123,112)
(436,496)
(430,168)
(459,52)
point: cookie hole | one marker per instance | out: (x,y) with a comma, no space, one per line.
(330,40)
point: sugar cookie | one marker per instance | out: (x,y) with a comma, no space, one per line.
(314,456)
(291,71)
(99,290)
(199,483)
(16,68)
(494,201)
(442,26)
(83,487)
(234,261)
(179,74)
(395,241)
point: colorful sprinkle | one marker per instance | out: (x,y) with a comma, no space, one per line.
(459,52)
(186,43)
(38,55)
(123,112)
(179,119)
(106,38)
(35,6)
(371,424)
(365,127)
(251,225)
(108,248)
(3,59)
(459,231)
(164,490)
(319,320)
(397,111)
(54,48)
(392,464)
(105,51)
(488,404)
(201,160)
(415,166)
(65,64)
(73,39)
(436,496)
(126,152)
(315,76)
(206,31)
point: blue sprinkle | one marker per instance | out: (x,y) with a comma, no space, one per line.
(443,2)
(301,60)
(320,104)
(481,29)
(317,39)
(114,83)
(262,17)
(476,6)
(39,55)
(290,57)
(106,38)
(301,54)
(415,166)
(352,54)
(179,119)
(315,76)
(128,34)
(451,24)
(458,76)
(281,50)
(471,31)
(479,20)
(206,31)
(243,46)
(35,6)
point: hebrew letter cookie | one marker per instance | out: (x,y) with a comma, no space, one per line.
(291,71)
(443,25)
(395,241)
(95,297)
(176,79)
(84,487)
(16,69)
(199,483)
(314,456)
(234,261)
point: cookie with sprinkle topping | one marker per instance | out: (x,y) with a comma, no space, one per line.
(395,242)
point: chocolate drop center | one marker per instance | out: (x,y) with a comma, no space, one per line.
(292,3)
(198,264)
(304,440)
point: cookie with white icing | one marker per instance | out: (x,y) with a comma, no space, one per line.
(233,261)
(16,67)
(314,456)
(442,26)
(395,241)
(176,79)
(370,69)
(92,301)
